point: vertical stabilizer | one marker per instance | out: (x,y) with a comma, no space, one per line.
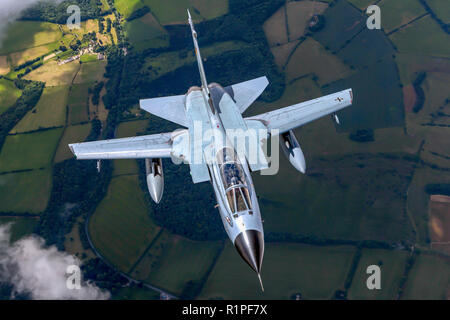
(198,56)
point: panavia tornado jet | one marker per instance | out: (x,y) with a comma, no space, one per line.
(208,113)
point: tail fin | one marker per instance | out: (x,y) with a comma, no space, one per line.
(197,54)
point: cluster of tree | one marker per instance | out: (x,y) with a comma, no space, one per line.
(318,24)
(420,94)
(57,12)
(363,135)
(96,92)
(108,25)
(77,190)
(438,188)
(31,93)
(101,26)
(29,69)
(102,275)
(138,13)
(26,64)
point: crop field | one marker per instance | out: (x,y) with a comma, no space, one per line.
(210,9)
(314,272)
(366,49)
(54,75)
(338,201)
(428,279)
(22,35)
(121,228)
(169,61)
(20,227)
(299,14)
(73,244)
(127,7)
(25,191)
(49,112)
(78,103)
(173,12)
(281,53)
(72,134)
(378,100)
(362,4)
(173,260)
(88,58)
(275,28)
(343,22)
(146,32)
(4,65)
(424,36)
(418,199)
(410,64)
(90,72)
(441,8)
(398,13)
(392,265)
(29,151)
(128,129)
(8,94)
(20,57)
(311,58)
(439,212)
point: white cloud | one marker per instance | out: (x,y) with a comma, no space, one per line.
(32,268)
(10,10)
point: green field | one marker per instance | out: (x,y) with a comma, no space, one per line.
(127,7)
(441,8)
(392,265)
(311,58)
(146,32)
(424,36)
(88,58)
(428,279)
(377,98)
(210,9)
(49,112)
(78,103)
(20,227)
(128,129)
(25,191)
(315,272)
(8,94)
(172,261)
(343,22)
(362,4)
(21,35)
(29,151)
(91,72)
(171,12)
(72,134)
(53,74)
(366,49)
(169,61)
(121,228)
(398,13)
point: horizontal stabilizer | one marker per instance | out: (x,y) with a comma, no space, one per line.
(169,108)
(245,93)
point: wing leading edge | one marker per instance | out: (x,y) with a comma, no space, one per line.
(294,116)
(149,146)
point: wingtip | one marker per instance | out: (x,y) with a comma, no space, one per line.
(260,282)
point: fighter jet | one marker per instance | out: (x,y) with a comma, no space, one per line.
(218,109)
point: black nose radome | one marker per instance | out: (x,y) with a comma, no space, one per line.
(250,245)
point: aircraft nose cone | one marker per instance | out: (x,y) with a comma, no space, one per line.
(250,245)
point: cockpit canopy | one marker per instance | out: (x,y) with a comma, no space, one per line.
(234,180)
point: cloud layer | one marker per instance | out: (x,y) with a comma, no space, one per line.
(10,10)
(40,271)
